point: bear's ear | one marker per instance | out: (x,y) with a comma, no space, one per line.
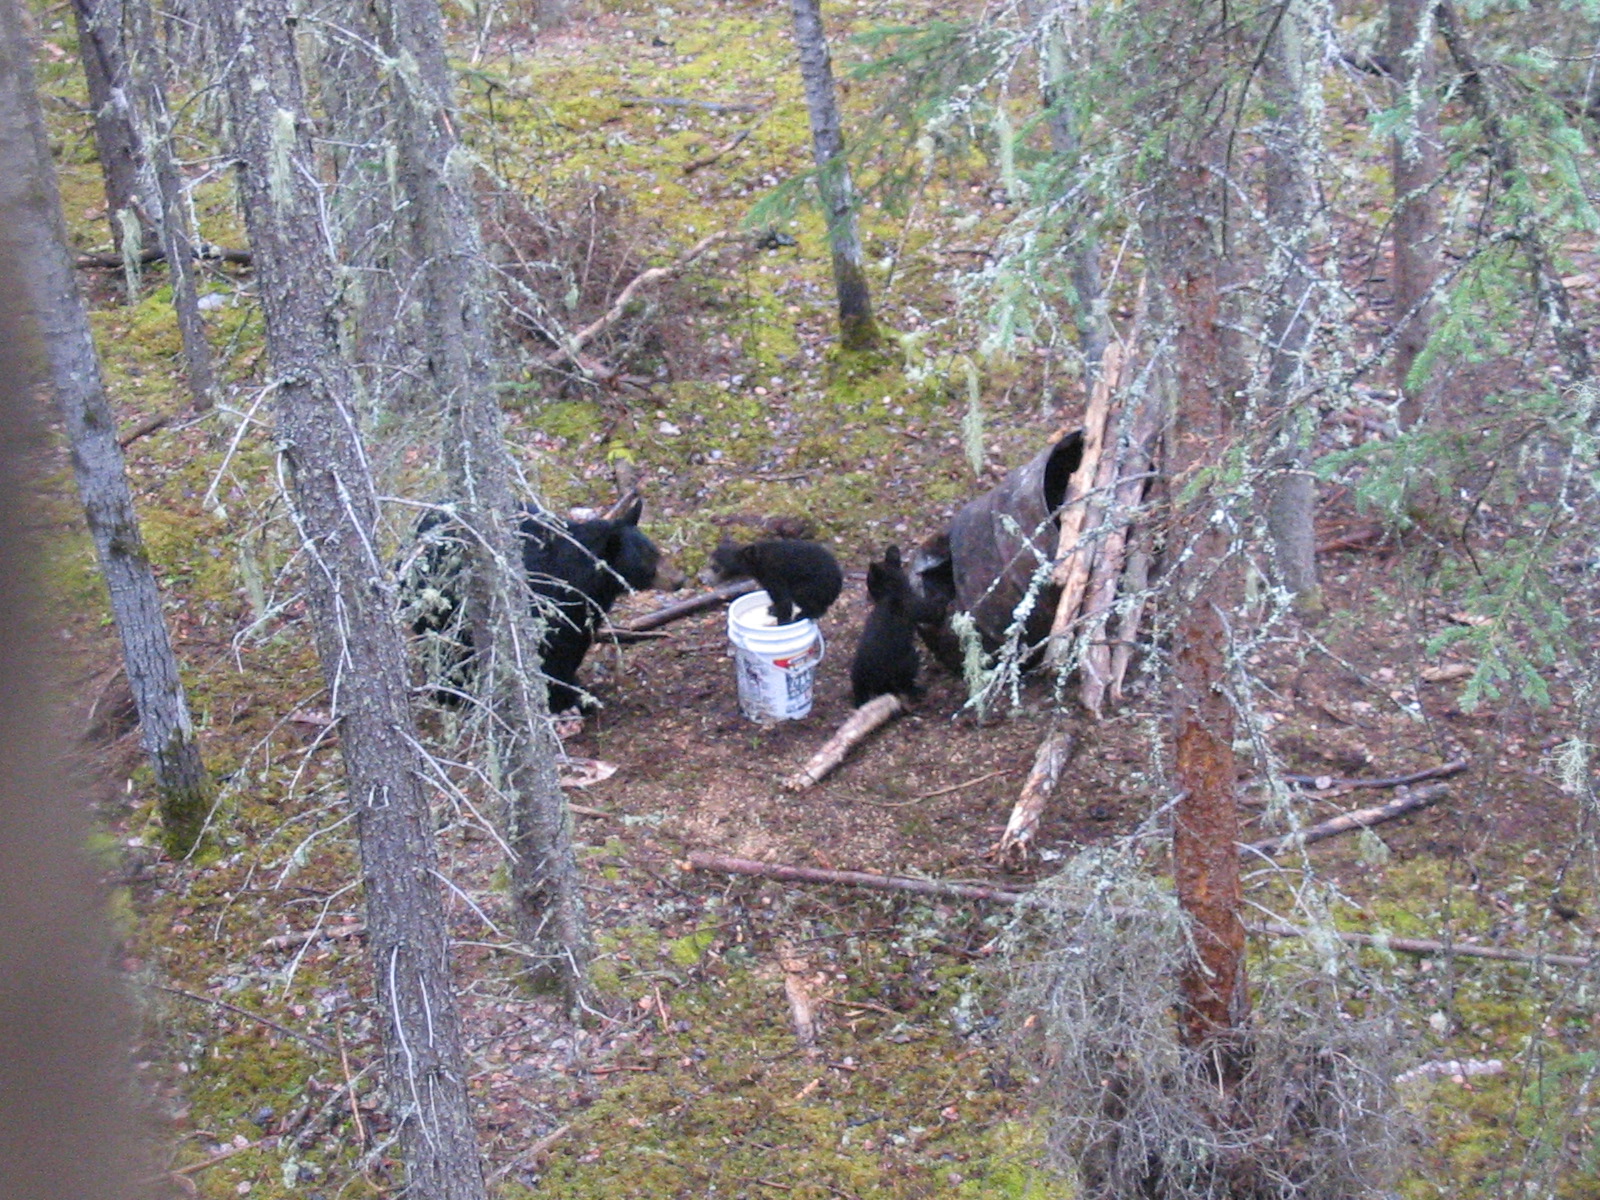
(877,581)
(891,558)
(628,510)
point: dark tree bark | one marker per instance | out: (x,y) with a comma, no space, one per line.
(1292,83)
(1415,166)
(461,355)
(1184,238)
(99,25)
(29,195)
(351,599)
(857,329)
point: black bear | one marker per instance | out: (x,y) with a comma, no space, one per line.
(575,572)
(886,656)
(801,578)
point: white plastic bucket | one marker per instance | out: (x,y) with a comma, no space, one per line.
(775,664)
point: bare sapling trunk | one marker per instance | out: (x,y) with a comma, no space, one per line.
(1292,80)
(29,195)
(351,598)
(857,329)
(1415,165)
(99,24)
(435,174)
(147,74)
(1089,312)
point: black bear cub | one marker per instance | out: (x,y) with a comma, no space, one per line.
(575,570)
(801,578)
(886,656)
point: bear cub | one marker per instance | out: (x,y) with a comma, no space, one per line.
(801,578)
(575,572)
(886,656)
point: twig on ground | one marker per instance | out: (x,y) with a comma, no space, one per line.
(714,106)
(306,1038)
(1363,818)
(285,941)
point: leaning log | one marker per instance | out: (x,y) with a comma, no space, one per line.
(1053,755)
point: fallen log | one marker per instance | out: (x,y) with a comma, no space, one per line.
(875,712)
(702,860)
(1052,757)
(1422,947)
(1454,767)
(204,252)
(1363,818)
(679,609)
(802,1009)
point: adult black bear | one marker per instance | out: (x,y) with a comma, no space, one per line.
(886,656)
(575,572)
(801,578)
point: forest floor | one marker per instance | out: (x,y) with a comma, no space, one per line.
(694,1084)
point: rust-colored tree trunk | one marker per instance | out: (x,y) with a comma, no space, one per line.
(1185,240)
(1415,166)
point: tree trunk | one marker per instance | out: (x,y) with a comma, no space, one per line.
(1292,81)
(1571,338)
(1083,258)
(28,192)
(1184,238)
(857,329)
(148,79)
(351,598)
(1415,165)
(434,173)
(99,25)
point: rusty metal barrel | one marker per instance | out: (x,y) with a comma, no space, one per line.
(999,540)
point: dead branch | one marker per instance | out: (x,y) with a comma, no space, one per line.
(1132,463)
(1135,583)
(875,712)
(1073,552)
(679,609)
(1443,771)
(285,941)
(304,1038)
(1054,753)
(802,1009)
(570,352)
(702,860)
(1425,947)
(1363,818)
(680,102)
(689,168)
(202,253)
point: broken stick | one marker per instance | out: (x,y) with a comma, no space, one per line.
(1054,753)
(802,1011)
(875,712)
(1362,818)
